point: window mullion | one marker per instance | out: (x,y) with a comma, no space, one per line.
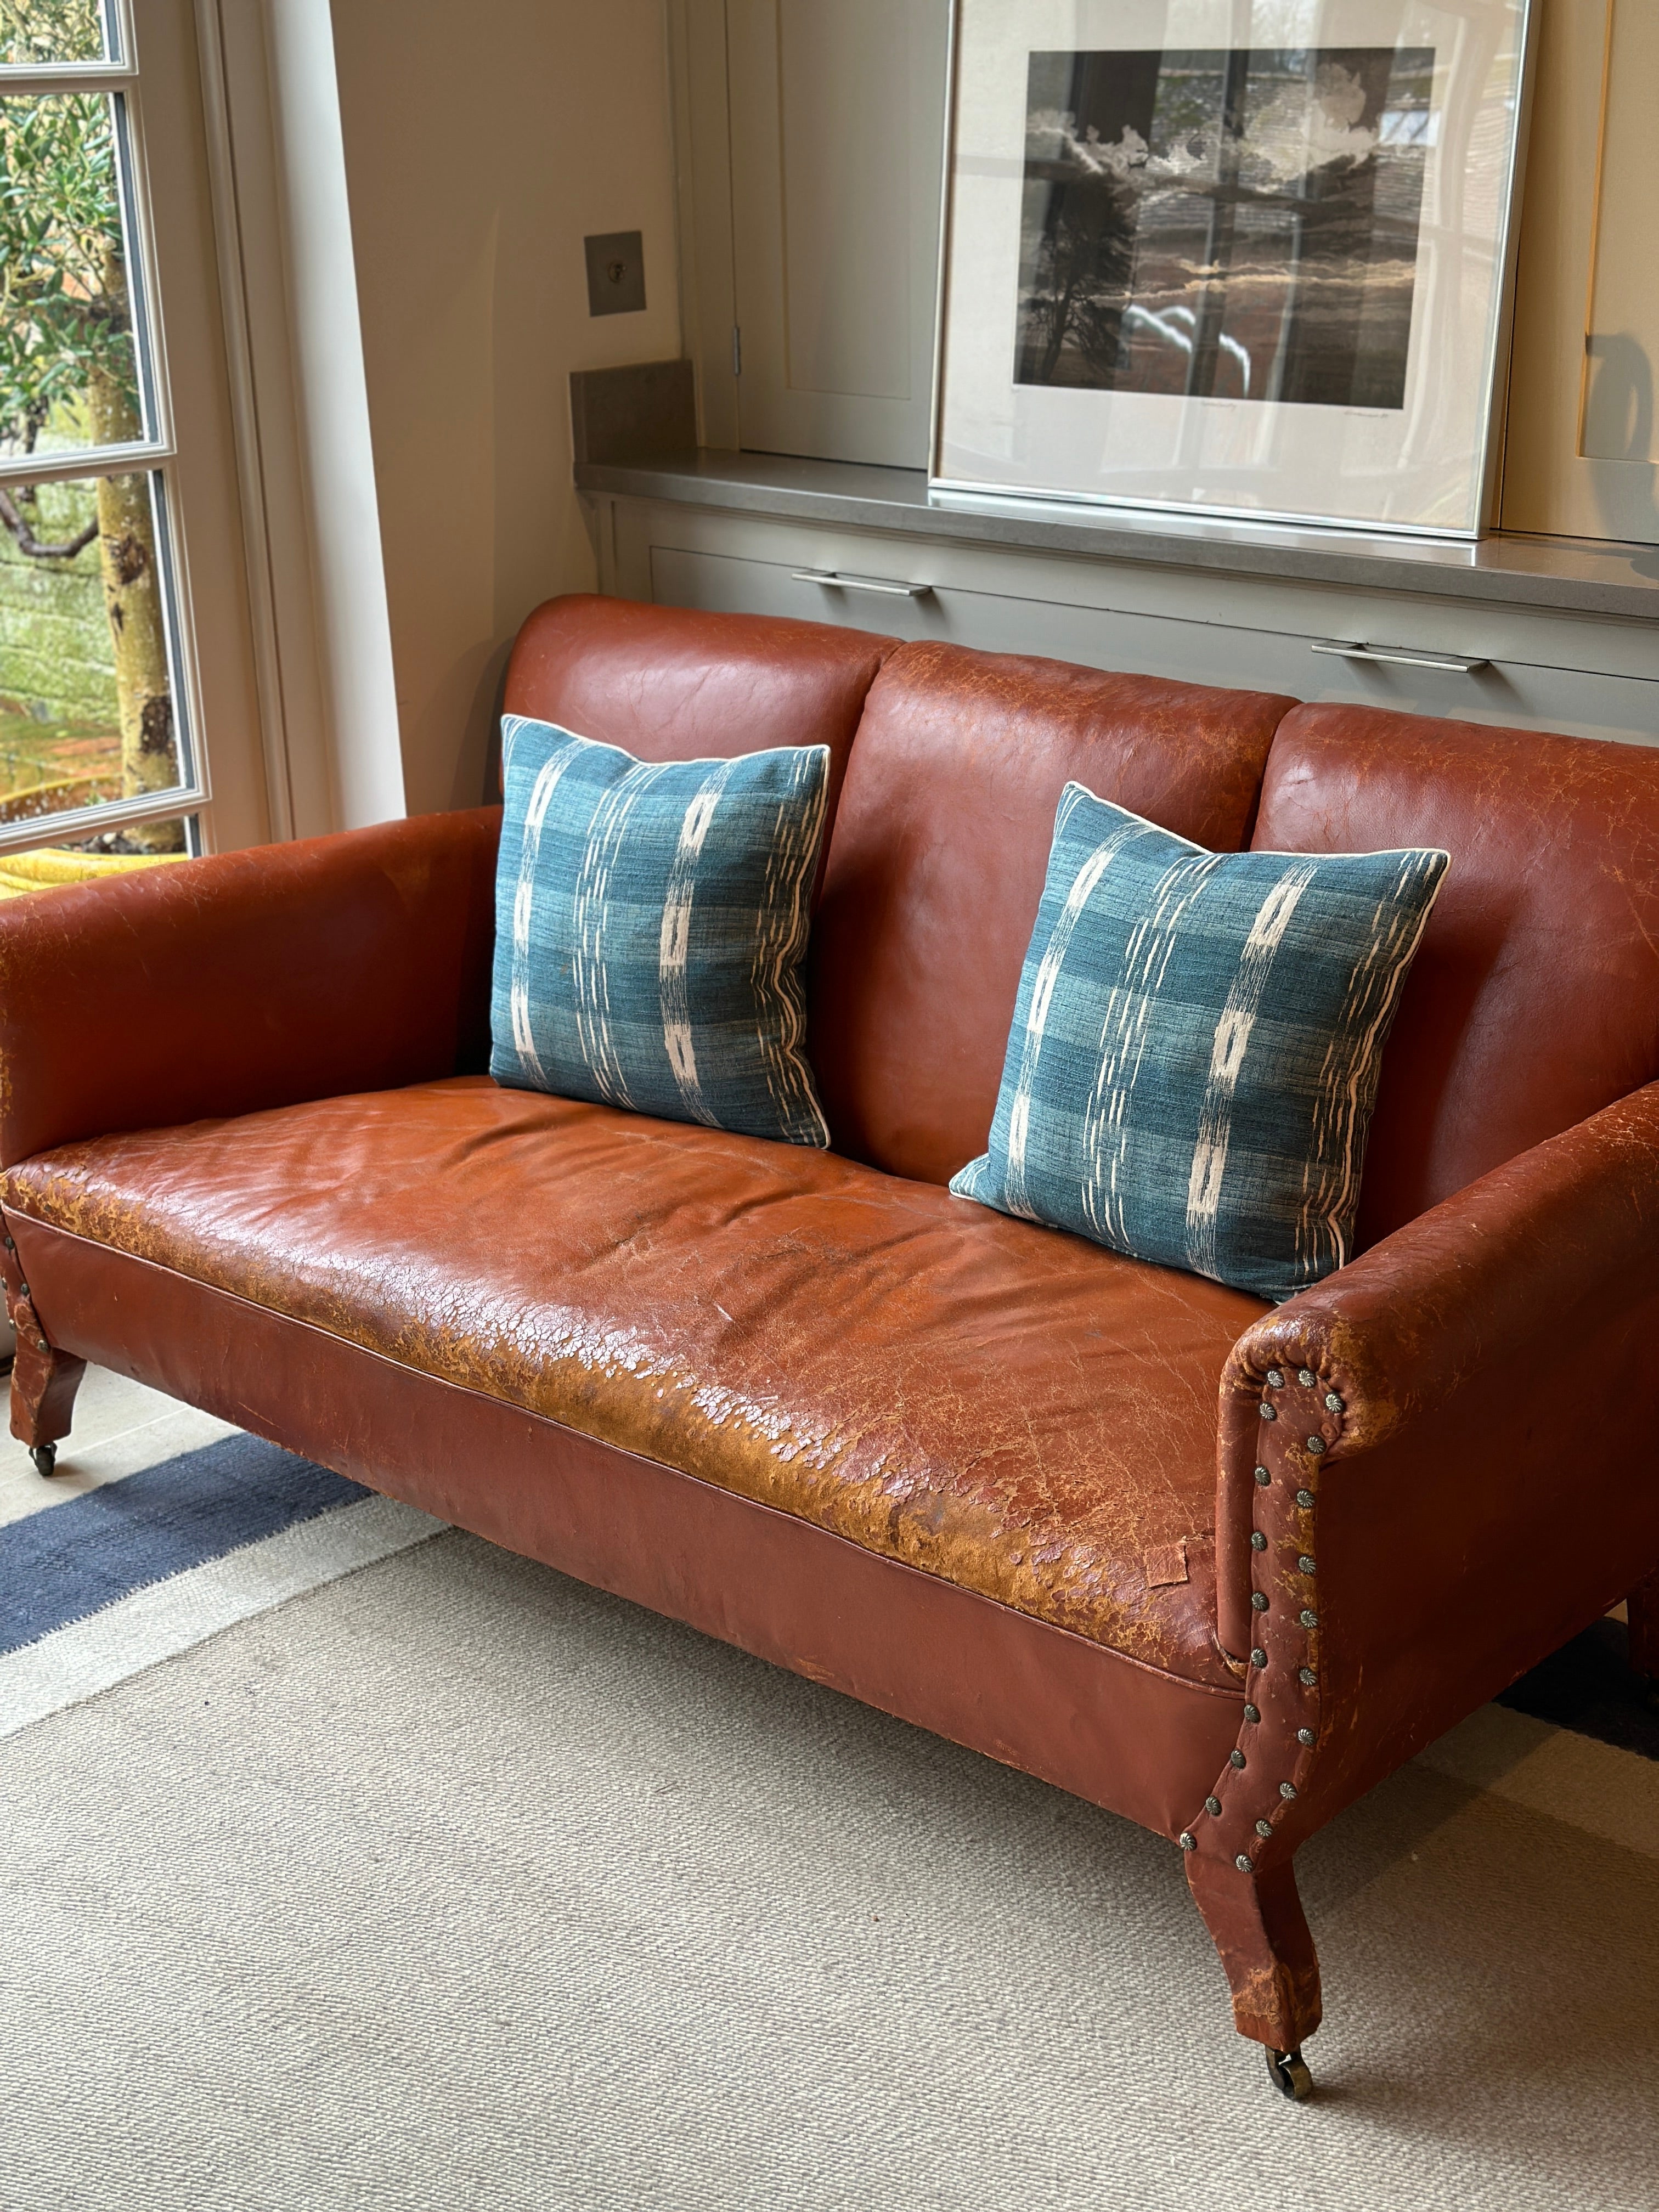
(67,77)
(37,830)
(69,467)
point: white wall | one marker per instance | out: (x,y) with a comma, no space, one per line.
(482,144)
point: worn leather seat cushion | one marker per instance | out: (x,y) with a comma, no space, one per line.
(1000,1404)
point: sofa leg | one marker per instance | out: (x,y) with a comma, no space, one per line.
(1257,1924)
(1642,1608)
(44,1382)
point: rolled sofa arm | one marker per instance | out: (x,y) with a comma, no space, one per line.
(1436,1466)
(351,962)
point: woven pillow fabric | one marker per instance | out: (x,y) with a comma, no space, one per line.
(1196,1043)
(651,919)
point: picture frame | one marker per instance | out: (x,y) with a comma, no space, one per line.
(1240,258)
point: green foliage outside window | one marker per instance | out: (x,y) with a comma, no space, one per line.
(42,32)
(65,324)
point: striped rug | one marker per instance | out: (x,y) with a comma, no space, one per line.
(136,1549)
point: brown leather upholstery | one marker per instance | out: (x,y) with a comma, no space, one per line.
(291,971)
(1125,1737)
(937,864)
(669,683)
(1001,1404)
(1487,1485)
(1534,997)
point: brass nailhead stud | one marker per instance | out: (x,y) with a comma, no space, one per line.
(1258,1541)
(1245,1865)
(1259,1599)
(1267,1413)
(1305,1498)
(1262,1475)
(1333,1403)
(1305,1563)
(1307,1674)
(10,1247)
(22,1289)
(1287,1790)
(1306,1378)
(1309,1618)
(1275,1380)
(1264,1827)
(1307,1736)
(1189,1843)
(1316,1445)
(1258,1657)
(1251,1713)
(1212,1805)
(1236,1757)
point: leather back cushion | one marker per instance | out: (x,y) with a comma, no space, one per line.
(673,684)
(936,861)
(1534,997)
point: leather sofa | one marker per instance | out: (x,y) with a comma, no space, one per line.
(1216,1566)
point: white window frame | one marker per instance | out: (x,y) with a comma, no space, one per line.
(279,637)
(192,795)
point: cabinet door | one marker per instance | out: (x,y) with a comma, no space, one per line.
(837,120)
(1582,455)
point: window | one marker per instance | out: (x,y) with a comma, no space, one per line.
(106,461)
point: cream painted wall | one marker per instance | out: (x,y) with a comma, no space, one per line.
(482,145)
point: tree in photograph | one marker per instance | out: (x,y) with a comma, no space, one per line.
(1079,275)
(67,353)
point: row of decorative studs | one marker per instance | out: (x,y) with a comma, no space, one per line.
(1308,1618)
(24,1319)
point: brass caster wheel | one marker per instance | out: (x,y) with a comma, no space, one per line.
(1290,2077)
(45,1457)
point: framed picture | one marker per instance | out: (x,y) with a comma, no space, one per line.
(1242,258)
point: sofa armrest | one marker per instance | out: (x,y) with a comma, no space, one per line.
(352,963)
(1470,1406)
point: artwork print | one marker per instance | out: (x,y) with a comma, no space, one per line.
(1223,223)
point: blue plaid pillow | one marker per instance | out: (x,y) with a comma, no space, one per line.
(650,923)
(1196,1043)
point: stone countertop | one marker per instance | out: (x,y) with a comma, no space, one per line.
(1576,576)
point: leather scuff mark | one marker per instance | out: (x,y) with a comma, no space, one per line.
(1166,1565)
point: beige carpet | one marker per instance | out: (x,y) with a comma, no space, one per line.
(455,1885)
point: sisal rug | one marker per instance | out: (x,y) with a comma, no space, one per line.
(449,1883)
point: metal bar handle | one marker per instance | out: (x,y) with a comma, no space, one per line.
(834,578)
(1460,664)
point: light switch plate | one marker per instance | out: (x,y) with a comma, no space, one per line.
(616,273)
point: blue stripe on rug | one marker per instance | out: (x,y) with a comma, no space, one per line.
(68,1561)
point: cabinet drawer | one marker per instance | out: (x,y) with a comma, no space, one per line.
(1186,641)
